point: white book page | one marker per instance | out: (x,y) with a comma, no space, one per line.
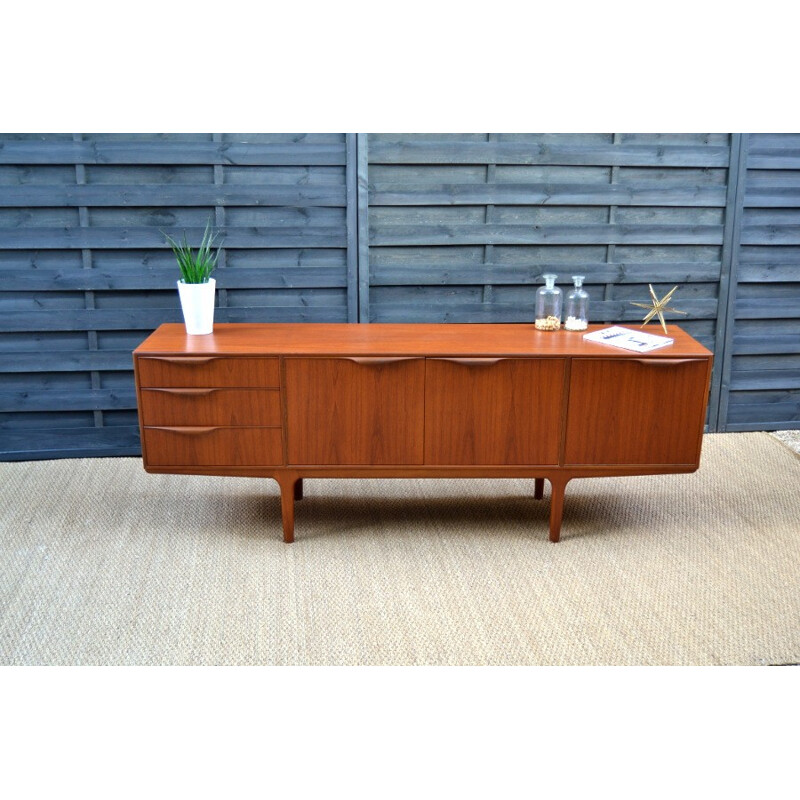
(628,339)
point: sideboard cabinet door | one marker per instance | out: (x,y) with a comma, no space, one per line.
(636,411)
(493,411)
(357,411)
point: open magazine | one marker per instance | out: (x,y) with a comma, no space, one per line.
(628,339)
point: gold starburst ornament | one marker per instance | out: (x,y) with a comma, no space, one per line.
(658,307)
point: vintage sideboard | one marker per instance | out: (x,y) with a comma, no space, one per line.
(299,400)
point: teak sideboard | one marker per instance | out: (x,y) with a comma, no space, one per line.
(303,400)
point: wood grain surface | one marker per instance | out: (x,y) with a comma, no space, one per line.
(205,372)
(230,407)
(493,411)
(636,411)
(355,411)
(401,339)
(213,446)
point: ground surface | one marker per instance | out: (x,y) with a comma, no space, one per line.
(790,438)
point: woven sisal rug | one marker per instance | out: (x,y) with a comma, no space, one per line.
(101,563)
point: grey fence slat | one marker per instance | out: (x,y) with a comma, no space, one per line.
(67,361)
(733,427)
(771,234)
(151,318)
(768,254)
(595,272)
(746,363)
(139,152)
(416,311)
(767,344)
(786,415)
(770,140)
(773,197)
(765,180)
(774,158)
(767,273)
(160,195)
(299,313)
(408,152)
(70,443)
(59,400)
(132,237)
(544,194)
(767,307)
(129,278)
(545,234)
(766,379)
(772,397)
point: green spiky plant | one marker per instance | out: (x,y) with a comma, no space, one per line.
(195,267)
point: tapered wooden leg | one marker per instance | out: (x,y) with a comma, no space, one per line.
(298,489)
(538,488)
(558,487)
(287,485)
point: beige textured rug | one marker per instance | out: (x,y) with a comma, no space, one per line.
(101,563)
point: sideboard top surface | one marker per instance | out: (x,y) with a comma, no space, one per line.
(422,339)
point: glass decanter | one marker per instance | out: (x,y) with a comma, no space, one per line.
(548,305)
(576,311)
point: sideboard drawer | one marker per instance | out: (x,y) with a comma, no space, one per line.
(213,447)
(201,371)
(211,407)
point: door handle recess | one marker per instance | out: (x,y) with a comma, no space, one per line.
(185,360)
(471,362)
(188,431)
(370,361)
(665,362)
(190,392)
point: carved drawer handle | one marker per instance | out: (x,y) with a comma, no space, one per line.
(370,361)
(190,392)
(665,362)
(189,431)
(471,362)
(186,360)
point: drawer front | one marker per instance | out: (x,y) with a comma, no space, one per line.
(204,371)
(636,411)
(211,407)
(213,447)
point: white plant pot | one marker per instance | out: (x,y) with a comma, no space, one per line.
(197,304)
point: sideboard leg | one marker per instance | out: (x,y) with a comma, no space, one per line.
(287,485)
(558,487)
(298,489)
(538,488)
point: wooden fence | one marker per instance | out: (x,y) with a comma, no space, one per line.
(760,368)
(414,227)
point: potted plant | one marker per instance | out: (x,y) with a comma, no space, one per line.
(196,286)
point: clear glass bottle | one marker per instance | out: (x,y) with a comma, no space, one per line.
(576,311)
(548,305)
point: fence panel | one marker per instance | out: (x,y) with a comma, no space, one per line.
(86,273)
(762,363)
(385,228)
(462,227)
